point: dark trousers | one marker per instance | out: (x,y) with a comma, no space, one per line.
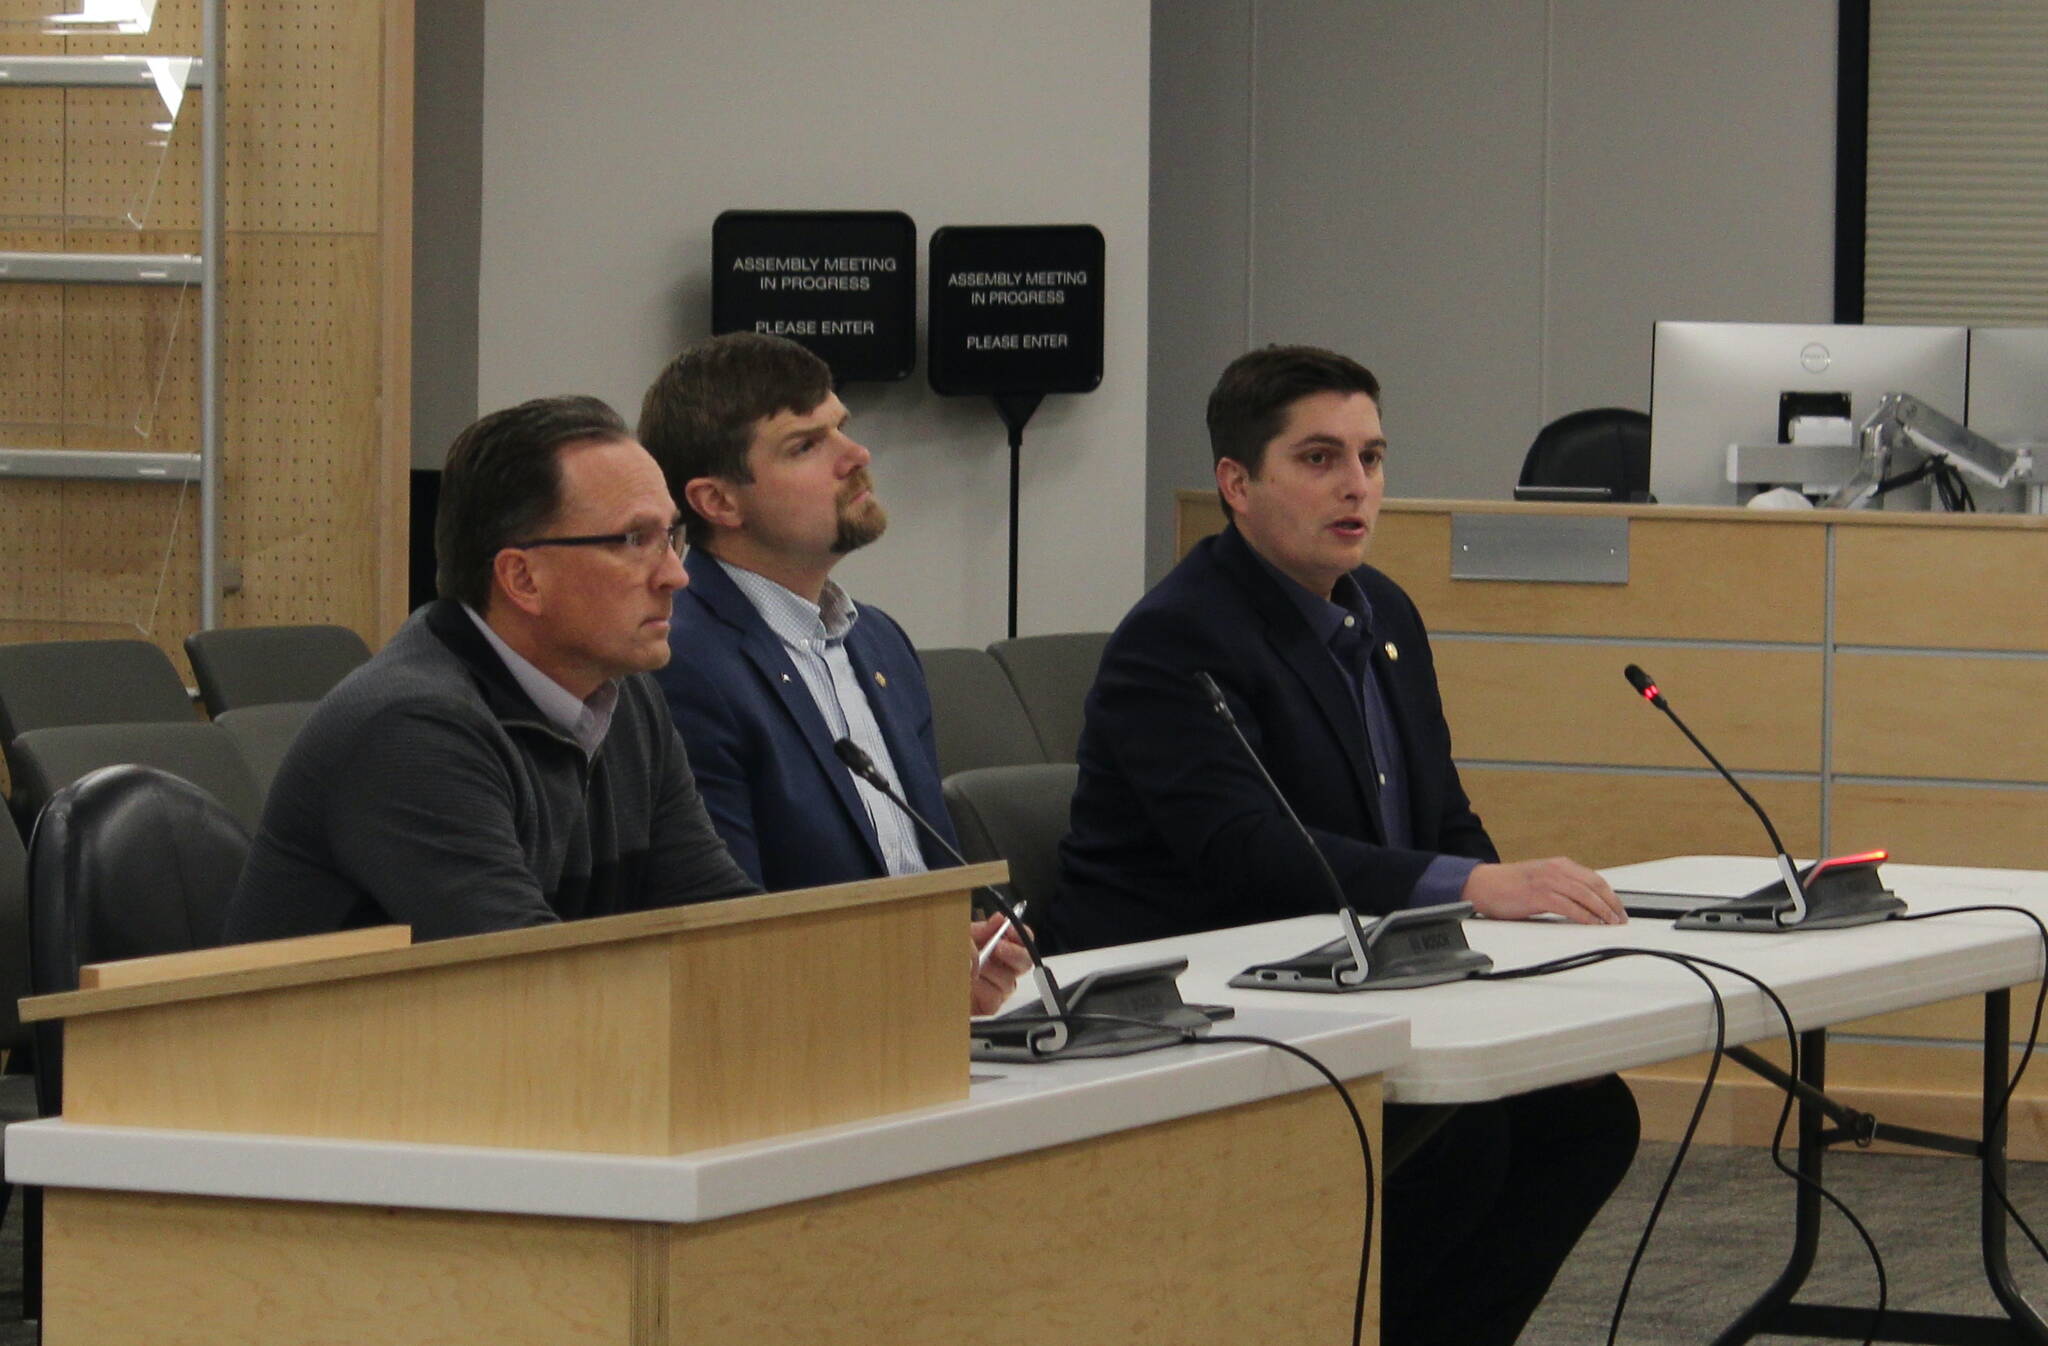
(1484,1211)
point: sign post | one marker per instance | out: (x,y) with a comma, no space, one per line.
(1015,312)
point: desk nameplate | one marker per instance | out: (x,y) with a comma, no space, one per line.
(1544,549)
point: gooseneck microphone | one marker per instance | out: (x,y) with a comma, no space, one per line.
(860,764)
(1112,1012)
(1418,946)
(1789,872)
(1347,914)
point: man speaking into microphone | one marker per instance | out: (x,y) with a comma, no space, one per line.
(1326,666)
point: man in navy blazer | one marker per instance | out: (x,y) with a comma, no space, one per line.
(1326,666)
(772,662)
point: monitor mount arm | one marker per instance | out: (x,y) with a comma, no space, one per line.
(1903,422)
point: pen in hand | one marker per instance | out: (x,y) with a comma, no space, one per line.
(981,959)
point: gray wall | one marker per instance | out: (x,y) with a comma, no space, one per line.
(1487,201)
(616,130)
(447,218)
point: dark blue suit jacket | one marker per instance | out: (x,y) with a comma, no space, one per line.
(1173,831)
(761,752)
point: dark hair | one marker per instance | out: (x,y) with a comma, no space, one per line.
(503,482)
(1249,404)
(698,417)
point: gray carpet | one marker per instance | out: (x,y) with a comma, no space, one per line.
(1725,1232)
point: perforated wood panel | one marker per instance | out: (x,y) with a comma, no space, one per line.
(312,340)
(31,155)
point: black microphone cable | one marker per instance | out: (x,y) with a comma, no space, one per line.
(1189,1037)
(1693,963)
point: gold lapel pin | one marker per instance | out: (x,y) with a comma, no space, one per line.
(1393,655)
(881,678)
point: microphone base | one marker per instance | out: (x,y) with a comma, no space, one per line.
(1139,1007)
(1420,946)
(1839,893)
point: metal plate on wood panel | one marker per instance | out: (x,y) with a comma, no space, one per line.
(1553,549)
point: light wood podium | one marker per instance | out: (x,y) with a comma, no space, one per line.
(749,1120)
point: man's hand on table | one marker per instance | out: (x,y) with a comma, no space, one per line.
(1557,886)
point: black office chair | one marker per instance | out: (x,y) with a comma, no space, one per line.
(127,862)
(17,1086)
(46,760)
(1052,675)
(261,665)
(263,734)
(1018,814)
(1605,447)
(976,716)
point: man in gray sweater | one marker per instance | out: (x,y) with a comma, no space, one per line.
(506,761)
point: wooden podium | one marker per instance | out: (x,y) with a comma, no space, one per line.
(440,1105)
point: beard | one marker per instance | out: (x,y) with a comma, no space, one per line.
(859,524)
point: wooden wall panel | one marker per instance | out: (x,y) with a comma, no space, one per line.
(31,155)
(315,322)
(31,350)
(302,124)
(121,170)
(1765,582)
(1944,825)
(1531,701)
(1958,587)
(1955,718)
(131,356)
(1603,818)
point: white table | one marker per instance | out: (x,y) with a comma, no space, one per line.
(1473,1041)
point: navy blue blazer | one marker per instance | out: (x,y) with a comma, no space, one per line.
(1173,831)
(761,752)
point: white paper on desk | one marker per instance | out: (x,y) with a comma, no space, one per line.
(1696,875)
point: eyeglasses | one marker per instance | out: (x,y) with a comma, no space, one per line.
(645,543)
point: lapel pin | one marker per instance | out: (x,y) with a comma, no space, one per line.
(881,678)
(785,677)
(1393,654)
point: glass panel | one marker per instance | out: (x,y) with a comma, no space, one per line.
(102,158)
(101,367)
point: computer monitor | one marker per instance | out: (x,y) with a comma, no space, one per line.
(2009,383)
(1713,384)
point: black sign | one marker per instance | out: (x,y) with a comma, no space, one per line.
(1015,309)
(841,282)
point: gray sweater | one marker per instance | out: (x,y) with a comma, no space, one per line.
(428,790)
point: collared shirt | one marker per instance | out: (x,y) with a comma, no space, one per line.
(814,637)
(1343,622)
(585,721)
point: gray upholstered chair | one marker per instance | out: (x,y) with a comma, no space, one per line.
(47,760)
(262,734)
(58,682)
(1018,814)
(976,715)
(1052,675)
(260,665)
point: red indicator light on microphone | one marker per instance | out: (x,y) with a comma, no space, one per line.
(1650,692)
